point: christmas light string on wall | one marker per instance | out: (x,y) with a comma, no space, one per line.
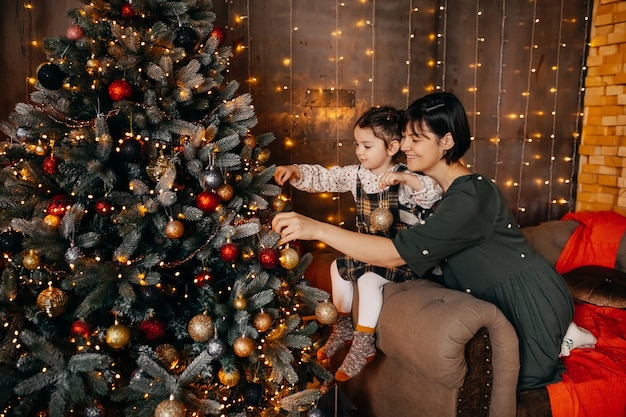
(496,141)
(442,41)
(409,41)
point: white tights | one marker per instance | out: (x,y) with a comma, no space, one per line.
(370,287)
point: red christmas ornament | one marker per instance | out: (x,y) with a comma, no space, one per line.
(217,33)
(152,328)
(75,33)
(120,90)
(128,12)
(207,201)
(103,207)
(202,277)
(80,328)
(229,252)
(51,165)
(268,258)
(58,205)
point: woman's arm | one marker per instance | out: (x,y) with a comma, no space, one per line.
(371,249)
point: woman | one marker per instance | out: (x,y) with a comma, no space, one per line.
(472,236)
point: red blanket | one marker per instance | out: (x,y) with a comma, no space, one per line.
(594,384)
(594,242)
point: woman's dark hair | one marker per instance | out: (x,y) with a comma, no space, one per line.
(442,113)
(384,124)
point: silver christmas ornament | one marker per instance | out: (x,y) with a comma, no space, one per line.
(212,178)
(72,254)
(216,347)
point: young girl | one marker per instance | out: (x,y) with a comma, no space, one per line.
(473,236)
(388,198)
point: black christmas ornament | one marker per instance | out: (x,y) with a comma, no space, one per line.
(131,150)
(186,38)
(216,347)
(50,76)
(11,241)
(212,178)
(252,393)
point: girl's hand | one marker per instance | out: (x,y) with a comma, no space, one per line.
(391,178)
(291,226)
(284,173)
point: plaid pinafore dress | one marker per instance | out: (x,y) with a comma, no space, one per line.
(350,269)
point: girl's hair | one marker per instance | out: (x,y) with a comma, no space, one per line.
(384,124)
(442,113)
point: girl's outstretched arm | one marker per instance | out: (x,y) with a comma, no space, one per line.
(371,249)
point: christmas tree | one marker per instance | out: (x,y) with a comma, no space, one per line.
(140,274)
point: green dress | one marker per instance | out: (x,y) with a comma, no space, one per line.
(475,239)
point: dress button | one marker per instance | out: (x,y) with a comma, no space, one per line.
(480,177)
(467,290)
(425,252)
(523,255)
(509,226)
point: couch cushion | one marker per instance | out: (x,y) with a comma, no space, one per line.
(597,285)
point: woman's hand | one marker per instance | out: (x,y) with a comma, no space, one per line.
(284,173)
(291,226)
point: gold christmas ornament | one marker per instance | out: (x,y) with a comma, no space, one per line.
(326,312)
(264,155)
(201,328)
(225,192)
(250,141)
(240,302)
(262,321)
(52,301)
(157,167)
(381,219)
(52,220)
(289,258)
(168,355)
(229,378)
(243,346)
(247,253)
(31,260)
(170,408)
(279,203)
(174,229)
(117,336)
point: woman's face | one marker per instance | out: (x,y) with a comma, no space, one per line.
(423,149)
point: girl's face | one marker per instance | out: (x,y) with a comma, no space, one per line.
(372,151)
(423,149)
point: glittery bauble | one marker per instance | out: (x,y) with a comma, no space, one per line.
(217,33)
(95,410)
(279,203)
(131,150)
(381,219)
(202,277)
(31,260)
(207,201)
(72,254)
(153,329)
(40,149)
(249,141)
(158,167)
(201,328)
(247,253)
(52,301)
(225,192)
(186,38)
(92,65)
(315,412)
(262,321)
(326,312)
(80,328)
(216,347)
(174,229)
(212,178)
(240,302)
(58,204)
(51,220)
(103,207)
(170,408)
(117,336)
(229,252)
(120,90)
(289,258)
(50,165)
(252,393)
(243,346)
(168,355)
(75,32)
(229,378)
(128,12)
(50,76)
(268,257)
(10,241)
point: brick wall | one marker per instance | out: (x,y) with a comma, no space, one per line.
(602,173)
